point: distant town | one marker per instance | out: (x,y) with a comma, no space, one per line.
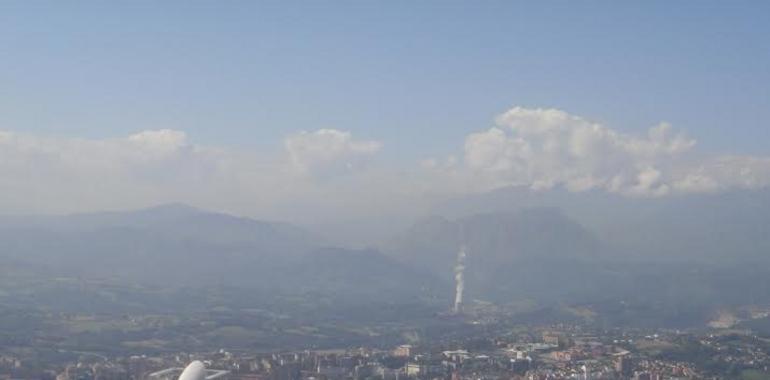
(559,351)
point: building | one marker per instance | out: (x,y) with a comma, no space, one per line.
(194,371)
(425,370)
(623,365)
(457,356)
(404,351)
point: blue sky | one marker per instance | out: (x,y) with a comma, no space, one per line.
(418,76)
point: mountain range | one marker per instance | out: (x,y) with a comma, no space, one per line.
(663,260)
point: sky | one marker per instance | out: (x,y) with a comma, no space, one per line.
(274,109)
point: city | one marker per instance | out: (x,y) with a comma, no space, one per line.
(548,352)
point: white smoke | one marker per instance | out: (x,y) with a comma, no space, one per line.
(459,279)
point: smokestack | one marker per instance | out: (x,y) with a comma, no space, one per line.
(459,279)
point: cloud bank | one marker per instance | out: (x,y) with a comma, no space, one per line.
(545,148)
(328,151)
(331,173)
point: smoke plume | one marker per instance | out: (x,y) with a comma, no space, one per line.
(459,279)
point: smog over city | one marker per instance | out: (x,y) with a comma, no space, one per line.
(338,190)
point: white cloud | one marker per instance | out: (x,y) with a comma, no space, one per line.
(45,173)
(726,172)
(60,174)
(328,151)
(329,173)
(158,143)
(543,148)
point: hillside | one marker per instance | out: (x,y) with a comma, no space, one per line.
(180,246)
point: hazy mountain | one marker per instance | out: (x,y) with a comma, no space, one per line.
(176,222)
(626,259)
(729,226)
(183,246)
(546,257)
(496,238)
(165,243)
(508,254)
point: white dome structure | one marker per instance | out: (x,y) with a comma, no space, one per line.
(194,371)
